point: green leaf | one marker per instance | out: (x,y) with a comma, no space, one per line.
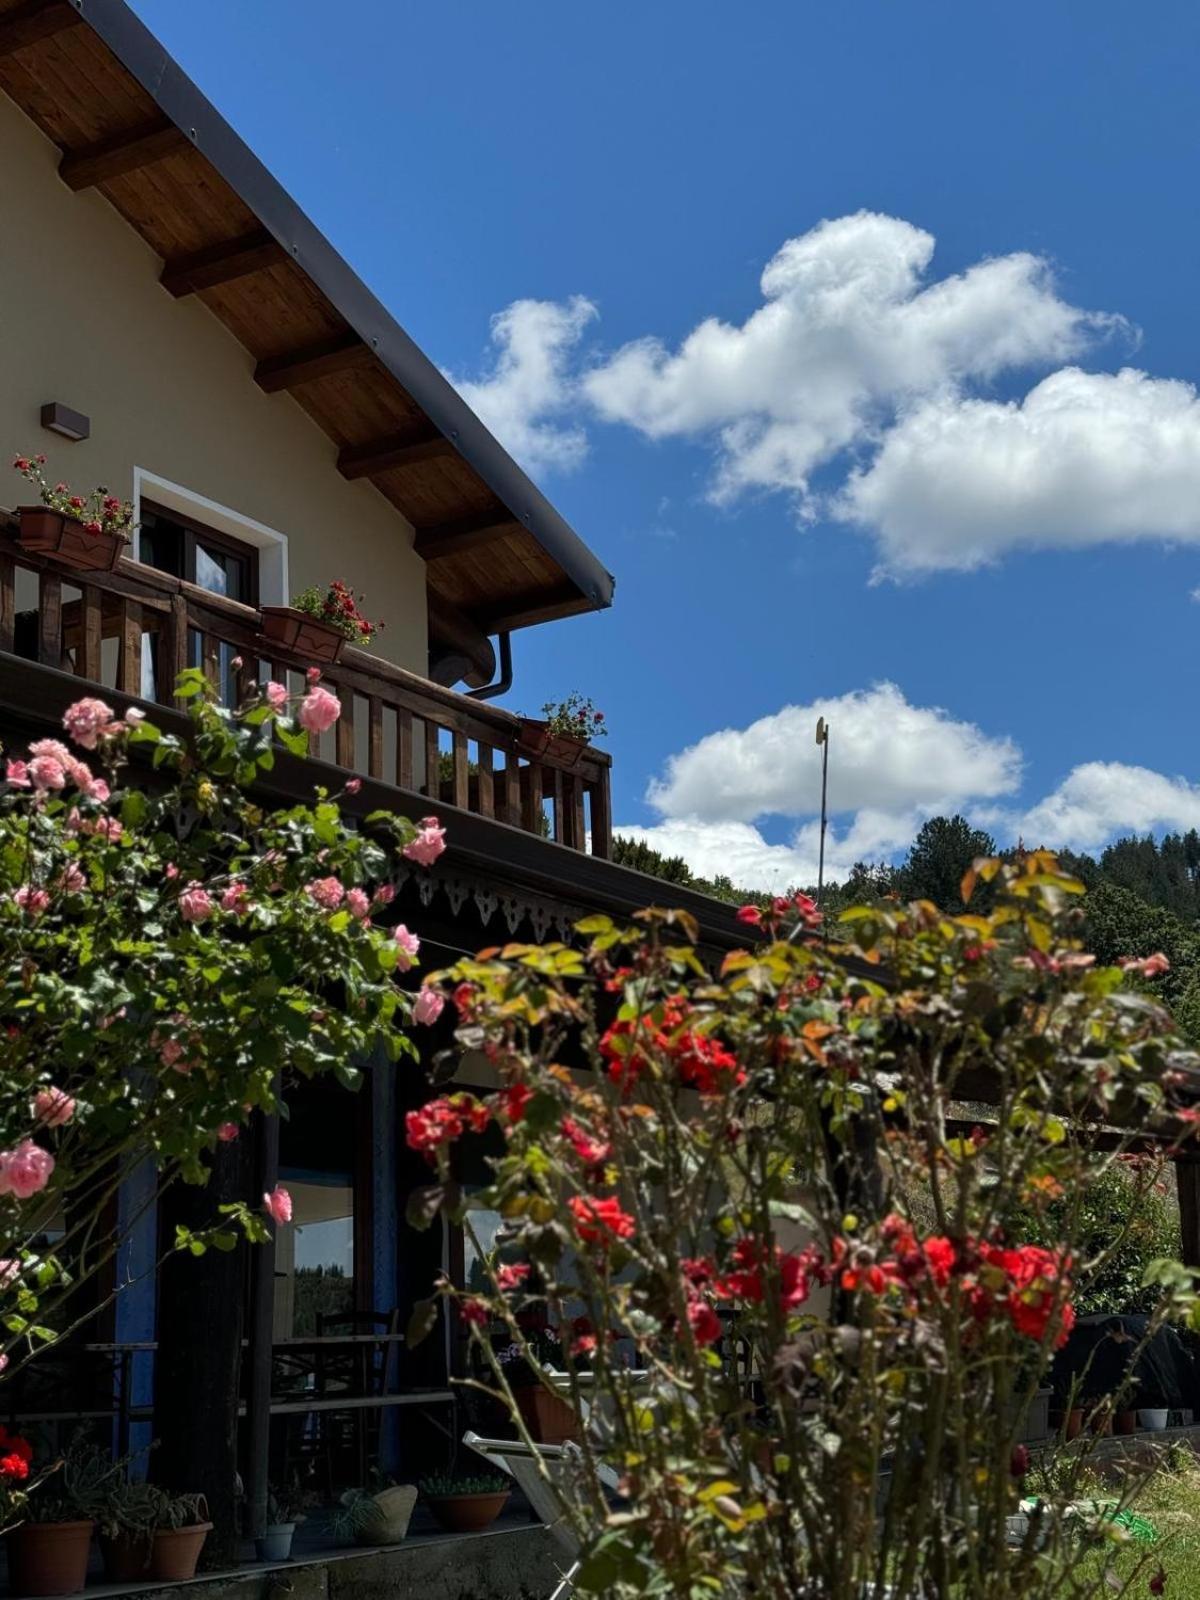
(422,1322)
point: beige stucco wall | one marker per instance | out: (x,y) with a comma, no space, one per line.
(84,321)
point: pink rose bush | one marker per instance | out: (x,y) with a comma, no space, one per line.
(428,844)
(147,925)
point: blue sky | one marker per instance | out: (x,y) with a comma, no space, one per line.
(901,459)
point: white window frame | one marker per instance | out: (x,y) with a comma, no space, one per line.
(272,546)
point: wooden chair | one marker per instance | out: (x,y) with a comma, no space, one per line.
(362,1369)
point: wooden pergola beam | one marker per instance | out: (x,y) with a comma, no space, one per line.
(36,20)
(125,152)
(394,450)
(437,541)
(343,353)
(222,263)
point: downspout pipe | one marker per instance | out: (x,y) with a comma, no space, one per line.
(504,682)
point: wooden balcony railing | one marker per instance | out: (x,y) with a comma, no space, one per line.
(135,629)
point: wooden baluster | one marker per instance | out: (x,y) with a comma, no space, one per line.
(8,601)
(91,617)
(210,659)
(375,736)
(578,821)
(512,789)
(531,798)
(50,620)
(487,799)
(601,817)
(129,648)
(556,794)
(173,654)
(461,791)
(343,733)
(566,799)
(433,762)
(404,748)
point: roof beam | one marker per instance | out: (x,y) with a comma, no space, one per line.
(36,20)
(538,605)
(406,449)
(127,152)
(450,626)
(341,354)
(222,263)
(441,540)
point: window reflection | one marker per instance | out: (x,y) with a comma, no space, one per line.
(314,1257)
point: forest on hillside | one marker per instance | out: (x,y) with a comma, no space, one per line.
(1143,894)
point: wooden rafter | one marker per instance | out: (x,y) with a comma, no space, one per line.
(538,605)
(438,541)
(222,263)
(406,449)
(36,20)
(343,353)
(127,152)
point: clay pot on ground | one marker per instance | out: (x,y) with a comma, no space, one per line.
(49,1557)
(468,1513)
(548,1417)
(126,1556)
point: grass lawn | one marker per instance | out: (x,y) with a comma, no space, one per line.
(1171,1501)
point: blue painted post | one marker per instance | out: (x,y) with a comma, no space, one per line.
(385,1238)
(136,1304)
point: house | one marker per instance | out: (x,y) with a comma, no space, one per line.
(173,326)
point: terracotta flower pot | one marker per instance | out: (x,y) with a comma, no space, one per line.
(285,628)
(535,739)
(1125,1422)
(52,533)
(49,1557)
(126,1557)
(468,1513)
(175,1551)
(549,1418)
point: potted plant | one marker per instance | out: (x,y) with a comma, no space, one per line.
(48,1553)
(283,1513)
(548,1417)
(564,730)
(465,1503)
(127,1523)
(181,1525)
(87,532)
(316,625)
(375,1516)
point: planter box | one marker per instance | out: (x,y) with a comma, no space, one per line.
(535,739)
(52,533)
(467,1513)
(285,628)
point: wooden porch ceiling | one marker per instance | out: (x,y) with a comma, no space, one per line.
(131,126)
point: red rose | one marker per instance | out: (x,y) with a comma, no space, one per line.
(601,1221)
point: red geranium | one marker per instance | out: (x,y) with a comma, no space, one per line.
(600,1221)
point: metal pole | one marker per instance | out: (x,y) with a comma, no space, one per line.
(823,740)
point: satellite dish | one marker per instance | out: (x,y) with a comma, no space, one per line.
(822,730)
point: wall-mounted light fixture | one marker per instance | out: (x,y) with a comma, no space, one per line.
(61,419)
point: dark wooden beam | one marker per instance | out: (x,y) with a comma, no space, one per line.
(222,263)
(405,449)
(537,605)
(339,354)
(38,19)
(448,625)
(437,541)
(126,152)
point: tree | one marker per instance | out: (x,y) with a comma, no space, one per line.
(939,856)
(809,1383)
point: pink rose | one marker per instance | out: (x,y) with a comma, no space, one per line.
(313,675)
(319,710)
(26,1170)
(54,750)
(227,1132)
(96,789)
(71,879)
(52,1107)
(195,903)
(428,1006)
(10,1271)
(133,716)
(236,899)
(17,773)
(85,721)
(429,843)
(384,895)
(47,773)
(278,1204)
(32,900)
(407,948)
(353,785)
(277,695)
(170,1051)
(358,903)
(327,892)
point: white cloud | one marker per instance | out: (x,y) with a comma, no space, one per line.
(1103,799)
(1084,459)
(849,330)
(892,766)
(526,397)
(885,754)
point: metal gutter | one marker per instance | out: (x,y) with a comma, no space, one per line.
(178,97)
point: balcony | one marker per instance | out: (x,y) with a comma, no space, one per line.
(132,630)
